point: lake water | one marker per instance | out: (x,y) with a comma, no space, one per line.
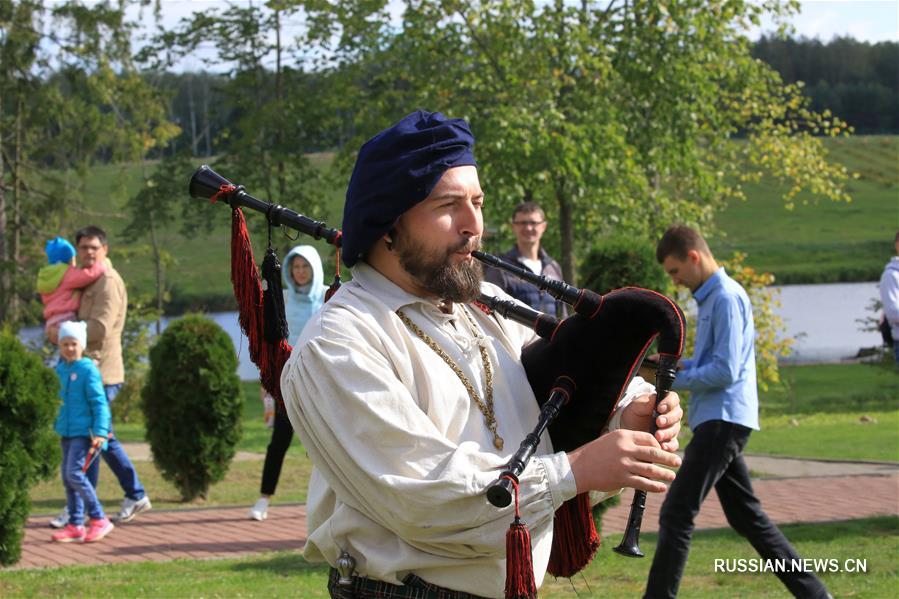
(822,318)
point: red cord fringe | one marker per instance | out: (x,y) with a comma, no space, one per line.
(575,539)
(520,583)
(245,279)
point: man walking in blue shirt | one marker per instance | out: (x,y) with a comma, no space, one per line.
(723,412)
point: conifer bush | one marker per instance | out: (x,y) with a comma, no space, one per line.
(29,447)
(192,403)
(623,261)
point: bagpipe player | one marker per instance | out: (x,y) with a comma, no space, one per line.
(410,399)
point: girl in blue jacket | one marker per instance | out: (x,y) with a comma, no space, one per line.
(304,294)
(83,424)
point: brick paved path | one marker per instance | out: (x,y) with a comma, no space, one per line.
(215,533)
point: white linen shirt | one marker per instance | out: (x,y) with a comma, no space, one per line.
(402,455)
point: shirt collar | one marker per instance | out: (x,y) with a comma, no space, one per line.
(541,254)
(388,292)
(713,282)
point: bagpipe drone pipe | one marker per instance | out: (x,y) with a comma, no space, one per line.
(259,299)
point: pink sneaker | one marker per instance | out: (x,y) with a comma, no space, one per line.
(98,529)
(69,534)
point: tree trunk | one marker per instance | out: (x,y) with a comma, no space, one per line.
(157,263)
(279,103)
(208,130)
(5,274)
(16,216)
(193,115)
(566,233)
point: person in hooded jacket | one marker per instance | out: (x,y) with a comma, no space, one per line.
(304,294)
(889,297)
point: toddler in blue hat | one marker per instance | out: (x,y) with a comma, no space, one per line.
(60,283)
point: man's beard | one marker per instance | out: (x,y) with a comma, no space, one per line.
(435,273)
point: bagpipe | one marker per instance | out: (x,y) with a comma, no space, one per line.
(579,368)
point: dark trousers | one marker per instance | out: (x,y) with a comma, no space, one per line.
(282,435)
(714,457)
(118,461)
(413,587)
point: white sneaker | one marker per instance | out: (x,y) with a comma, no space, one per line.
(61,520)
(260,510)
(131,508)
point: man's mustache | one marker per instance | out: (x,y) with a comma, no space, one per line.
(466,245)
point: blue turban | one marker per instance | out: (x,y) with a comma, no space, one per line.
(396,169)
(59,251)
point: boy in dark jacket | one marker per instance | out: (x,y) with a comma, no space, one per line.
(83,424)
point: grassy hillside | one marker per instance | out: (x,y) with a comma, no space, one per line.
(200,277)
(823,241)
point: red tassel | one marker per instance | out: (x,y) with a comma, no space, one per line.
(269,357)
(520,583)
(575,539)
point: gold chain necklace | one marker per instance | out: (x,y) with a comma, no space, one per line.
(485,406)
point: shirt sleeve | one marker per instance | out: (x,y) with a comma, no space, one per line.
(96,399)
(383,456)
(78,278)
(723,367)
(889,295)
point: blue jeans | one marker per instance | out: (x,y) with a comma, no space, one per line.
(117,460)
(714,458)
(80,493)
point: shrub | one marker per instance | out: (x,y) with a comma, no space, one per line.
(620,261)
(29,448)
(127,407)
(136,340)
(192,403)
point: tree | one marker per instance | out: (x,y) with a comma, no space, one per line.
(68,96)
(29,452)
(623,116)
(193,403)
(279,108)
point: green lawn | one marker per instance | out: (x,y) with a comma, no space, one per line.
(822,241)
(876,541)
(836,411)
(830,411)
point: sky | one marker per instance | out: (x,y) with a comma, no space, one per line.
(865,20)
(868,20)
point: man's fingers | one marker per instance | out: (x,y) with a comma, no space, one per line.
(667,433)
(644,484)
(651,471)
(655,455)
(667,405)
(671,445)
(644,439)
